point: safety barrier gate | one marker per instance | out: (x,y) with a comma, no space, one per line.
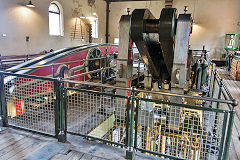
(47,106)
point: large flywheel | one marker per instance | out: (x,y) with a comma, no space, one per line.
(94,62)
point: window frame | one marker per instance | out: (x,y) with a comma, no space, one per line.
(95,21)
(60,15)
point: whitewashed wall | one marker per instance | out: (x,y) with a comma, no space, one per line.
(213,19)
(19,21)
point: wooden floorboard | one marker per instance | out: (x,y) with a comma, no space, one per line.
(21,145)
(75,156)
(9,142)
(15,148)
(86,157)
(234,88)
(28,150)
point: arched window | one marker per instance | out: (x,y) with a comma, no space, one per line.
(55,19)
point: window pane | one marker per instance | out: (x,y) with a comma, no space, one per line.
(54,24)
(94,29)
(54,8)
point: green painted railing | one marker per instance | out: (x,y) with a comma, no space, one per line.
(122,120)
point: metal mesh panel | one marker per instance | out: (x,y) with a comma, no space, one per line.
(30,104)
(198,135)
(97,116)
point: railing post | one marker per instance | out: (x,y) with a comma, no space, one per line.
(65,107)
(220,91)
(56,105)
(130,151)
(136,123)
(214,80)
(229,135)
(3,105)
(127,121)
(223,135)
(218,103)
(60,131)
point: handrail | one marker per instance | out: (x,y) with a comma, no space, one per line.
(224,86)
(153,92)
(55,64)
(74,49)
(231,101)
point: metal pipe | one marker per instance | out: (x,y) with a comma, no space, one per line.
(35,67)
(56,64)
(29,76)
(90,72)
(107,20)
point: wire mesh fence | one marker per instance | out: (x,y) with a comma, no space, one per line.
(198,135)
(30,103)
(95,115)
(159,125)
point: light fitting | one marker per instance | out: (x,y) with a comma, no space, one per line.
(185,9)
(30,4)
